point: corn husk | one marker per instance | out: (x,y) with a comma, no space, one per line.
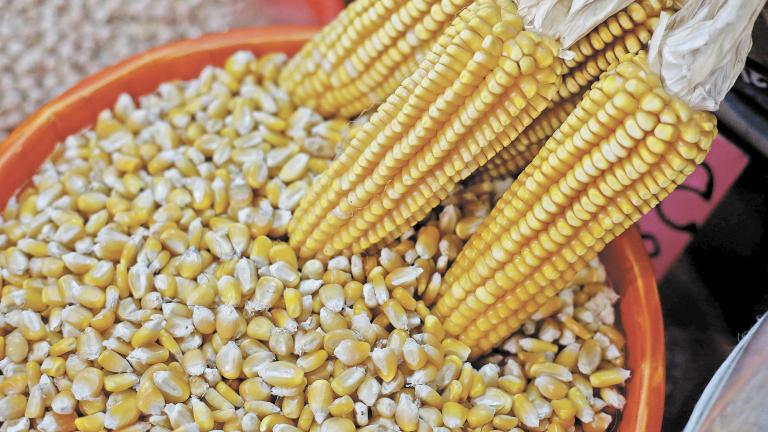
(700,50)
(567,20)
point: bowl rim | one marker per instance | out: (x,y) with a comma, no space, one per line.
(22,152)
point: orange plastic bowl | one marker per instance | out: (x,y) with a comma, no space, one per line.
(27,147)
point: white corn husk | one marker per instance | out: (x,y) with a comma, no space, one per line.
(700,51)
(734,400)
(567,20)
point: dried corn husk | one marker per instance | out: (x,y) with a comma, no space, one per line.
(567,20)
(700,50)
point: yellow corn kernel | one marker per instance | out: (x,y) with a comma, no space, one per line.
(13,384)
(385,360)
(93,406)
(229,361)
(568,356)
(123,413)
(90,423)
(583,410)
(589,357)
(292,299)
(271,421)
(341,406)
(33,247)
(174,387)
(283,252)
(306,418)
(600,423)
(576,327)
(216,400)
(454,414)
(281,373)
(352,352)
(230,291)
(53,366)
(337,424)
(260,328)
(348,381)
(564,409)
(614,335)
(87,383)
(113,362)
(311,361)
(608,377)
(120,381)
(202,414)
(12,407)
(479,415)
(505,422)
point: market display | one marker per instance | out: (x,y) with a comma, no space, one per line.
(233,253)
(147,284)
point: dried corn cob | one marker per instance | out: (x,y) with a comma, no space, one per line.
(482,83)
(627,31)
(624,148)
(363,55)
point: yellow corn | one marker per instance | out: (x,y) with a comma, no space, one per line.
(411,154)
(625,147)
(156,320)
(627,31)
(357,60)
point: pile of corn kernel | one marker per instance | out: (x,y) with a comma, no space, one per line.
(49,45)
(147,285)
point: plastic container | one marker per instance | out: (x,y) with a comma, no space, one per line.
(628,266)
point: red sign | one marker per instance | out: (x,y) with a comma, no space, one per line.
(670,226)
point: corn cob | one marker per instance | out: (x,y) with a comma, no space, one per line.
(626,146)
(482,83)
(627,31)
(355,62)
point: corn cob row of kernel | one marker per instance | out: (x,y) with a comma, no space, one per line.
(626,32)
(626,146)
(357,60)
(483,82)
(521,151)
